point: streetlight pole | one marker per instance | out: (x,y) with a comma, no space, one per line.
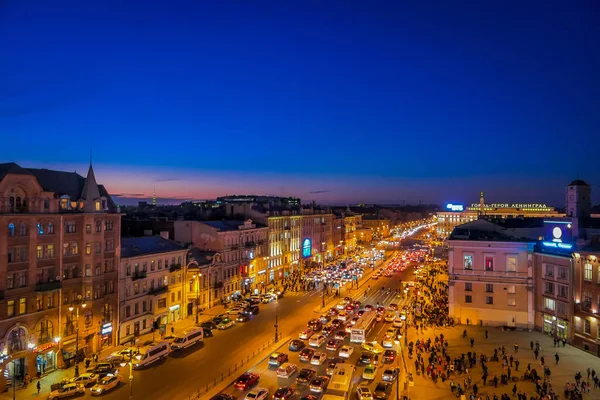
(398,350)
(197,278)
(76,308)
(276,319)
(130,370)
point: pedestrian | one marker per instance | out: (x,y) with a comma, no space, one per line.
(531,344)
(514,389)
(472,342)
(516,347)
(76,371)
(564,342)
(475,389)
(87,362)
(172,330)
(39,387)
(556,358)
(589,372)
(486,333)
(516,365)
(542,360)
(536,352)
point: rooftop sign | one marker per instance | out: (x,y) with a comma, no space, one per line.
(521,206)
(455,207)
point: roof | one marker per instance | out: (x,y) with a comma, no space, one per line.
(578,182)
(11,168)
(485,230)
(59,182)
(229,225)
(145,245)
(202,257)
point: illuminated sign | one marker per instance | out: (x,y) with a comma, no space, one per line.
(521,206)
(42,347)
(565,246)
(106,328)
(306,248)
(455,207)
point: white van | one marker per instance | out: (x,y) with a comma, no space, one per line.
(189,338)
(150,354)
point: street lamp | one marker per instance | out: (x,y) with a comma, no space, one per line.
(276,318)
(138,357)
(197,278)
(397,342)
(76,308)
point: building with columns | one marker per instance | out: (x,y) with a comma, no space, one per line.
(59,256)
(242,247)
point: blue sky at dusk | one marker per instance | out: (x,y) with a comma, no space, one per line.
(367,101)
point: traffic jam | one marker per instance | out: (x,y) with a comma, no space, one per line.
(353,347)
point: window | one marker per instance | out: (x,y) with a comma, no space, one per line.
(587,300)
(468,261)
(162,303)
(10,308)
(549,304)
(50,228)
(587,328)
(563,291)
(468,287)
(64,203)
(88,249)
(46,204)
(587,271)
(98,247)
(108,225)
(468,298)
(512,289)
(136,309)
(10,281)
(110,245)
(40,252)
(98,226)
(489,263)
(598,274)
(11,229)
(152,265)
(549,287)
(512,301)
(489,287)
(97,205)
(88,228)
(66,249)
(88,270)
(40,229)
(511,264)
(70,227)
(562,273)
(489,300)
(159,264)
(22,305)
(550,271)
(49,251)
(21,279)
(98,269)
(22,229)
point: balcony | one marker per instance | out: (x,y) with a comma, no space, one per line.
(488,273)
(48,286)
(158,290)
(138,275)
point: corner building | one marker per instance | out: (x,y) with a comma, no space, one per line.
(59,253)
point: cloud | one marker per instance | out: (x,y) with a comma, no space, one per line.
(135,195)
(319,191)
(166,180)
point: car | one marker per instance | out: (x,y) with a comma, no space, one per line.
(286,370)
(267,298)
(105,368)
(278,358)
(105,384)
(123,354)
(368,307)
(296,345)
(246,381)
(333,312)
(234,310)
(389,356)
(306,334)
(284,393)
(68,390)
(222,396)
(382,390)
(319,384)
(388,341)
(257,394)
(389,317)
(380,310)
(243,318)
(393,332)
(341,335)
(346,351)
(86,379)
(327,331)
(324,318)
(366,358)
(393,306)
(332,363)
(306,354)
(398,323)
(341,305)
(357,304)
(364,393)
(390,375)
(315,325)
(308,397)
(369,372)
(317,340)
(337,324)
(360,313)
(379,318)
(350,308)
(225,323)
(354,320)
(403,315)
(374,276)
(373,347)
(208,325)
(318,358)
(305,376)
(333,344)
(251,310)
(343,315)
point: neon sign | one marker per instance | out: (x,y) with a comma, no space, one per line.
(455,207)
(306,248)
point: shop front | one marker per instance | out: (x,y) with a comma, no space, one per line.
(174,313)
(105,336)
(45,357)
(555,326)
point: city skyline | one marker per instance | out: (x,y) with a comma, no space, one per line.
(385,104)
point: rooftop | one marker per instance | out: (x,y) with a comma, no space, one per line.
(146,245)
(578,182)
(201,257)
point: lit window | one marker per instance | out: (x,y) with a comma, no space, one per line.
(549,304)
(587,271)
(468,261)
(512,301)
(511,264)
(97,205)
(512,289)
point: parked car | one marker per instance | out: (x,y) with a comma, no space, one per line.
(68,390)
(225,323)
(105,384)
(86,379)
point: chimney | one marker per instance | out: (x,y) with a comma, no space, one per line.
(164,234)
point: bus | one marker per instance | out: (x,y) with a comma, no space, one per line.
(341,382)
(360,330)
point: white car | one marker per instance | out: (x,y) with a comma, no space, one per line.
(343,315)
(369,372)
(107,383)
(225,323)
(318,358)
(257,394)
(68,390)
(346,351)
(341,305)
(388,341)
(317,340)
(234,310)
(86,379)
(306,334)
(398,323)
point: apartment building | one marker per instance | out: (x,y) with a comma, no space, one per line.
(59,252)
(151,285)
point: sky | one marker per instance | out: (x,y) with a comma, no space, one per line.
(332,101)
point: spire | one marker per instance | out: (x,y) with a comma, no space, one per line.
(154,196)
(90,191)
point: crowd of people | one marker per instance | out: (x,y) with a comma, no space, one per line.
(435,359)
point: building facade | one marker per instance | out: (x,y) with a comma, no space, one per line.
(242,247)
(59,253)
(151,285)
(586,318)
(380,226)
(490,277)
